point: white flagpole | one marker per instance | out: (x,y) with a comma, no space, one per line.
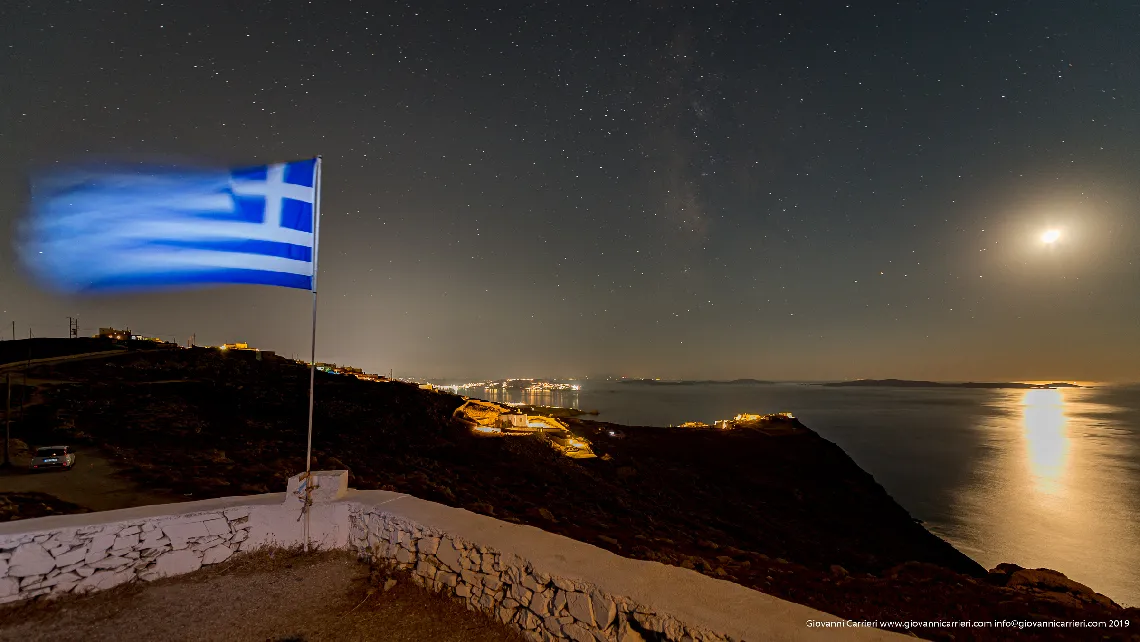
(313,354)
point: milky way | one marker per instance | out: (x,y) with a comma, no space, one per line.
(654,189)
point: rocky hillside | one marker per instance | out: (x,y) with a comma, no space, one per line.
(783,511)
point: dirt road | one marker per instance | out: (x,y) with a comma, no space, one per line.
(92,483)
(15,366)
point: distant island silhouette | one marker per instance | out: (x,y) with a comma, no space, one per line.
(905,383)
(865,383)
(658,382)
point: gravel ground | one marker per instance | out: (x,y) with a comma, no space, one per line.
(280,597)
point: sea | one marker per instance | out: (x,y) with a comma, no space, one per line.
(1043,478)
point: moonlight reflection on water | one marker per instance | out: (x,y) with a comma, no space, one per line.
(1040,478)
(1047,439)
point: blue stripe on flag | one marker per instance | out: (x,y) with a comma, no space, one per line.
(245,246)
(152,281)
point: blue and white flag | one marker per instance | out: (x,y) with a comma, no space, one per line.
(100,230)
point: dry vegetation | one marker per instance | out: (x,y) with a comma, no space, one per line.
(24,505)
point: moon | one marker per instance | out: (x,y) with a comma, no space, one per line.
(1050,237)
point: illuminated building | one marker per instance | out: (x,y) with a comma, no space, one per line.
(117,335)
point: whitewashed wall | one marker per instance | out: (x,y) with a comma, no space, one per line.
(96,557)
(549,586)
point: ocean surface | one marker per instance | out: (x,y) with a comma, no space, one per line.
(1040,478)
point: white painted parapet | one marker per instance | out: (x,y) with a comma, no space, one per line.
(549,586)
(556,588)
(92,551)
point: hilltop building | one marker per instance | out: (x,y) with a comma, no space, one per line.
(112,333)
(751,420)
(332,368)
(514,421)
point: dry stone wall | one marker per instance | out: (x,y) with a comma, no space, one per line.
(89,558)
(512,589)
(550,587)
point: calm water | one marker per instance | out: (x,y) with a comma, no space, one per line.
(1040,478)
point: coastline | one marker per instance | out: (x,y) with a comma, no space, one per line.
(986,469)
(782,511)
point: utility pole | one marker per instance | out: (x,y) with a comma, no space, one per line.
(7,423)
(23,394)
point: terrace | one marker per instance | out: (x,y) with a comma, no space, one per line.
(157,570)
(273,594)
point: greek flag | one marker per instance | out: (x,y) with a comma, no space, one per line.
(102,230)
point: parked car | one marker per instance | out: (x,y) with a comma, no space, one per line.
(53,457)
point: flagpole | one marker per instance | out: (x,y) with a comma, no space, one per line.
(308,479)
(313,346)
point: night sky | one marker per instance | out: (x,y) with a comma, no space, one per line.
(714,190)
